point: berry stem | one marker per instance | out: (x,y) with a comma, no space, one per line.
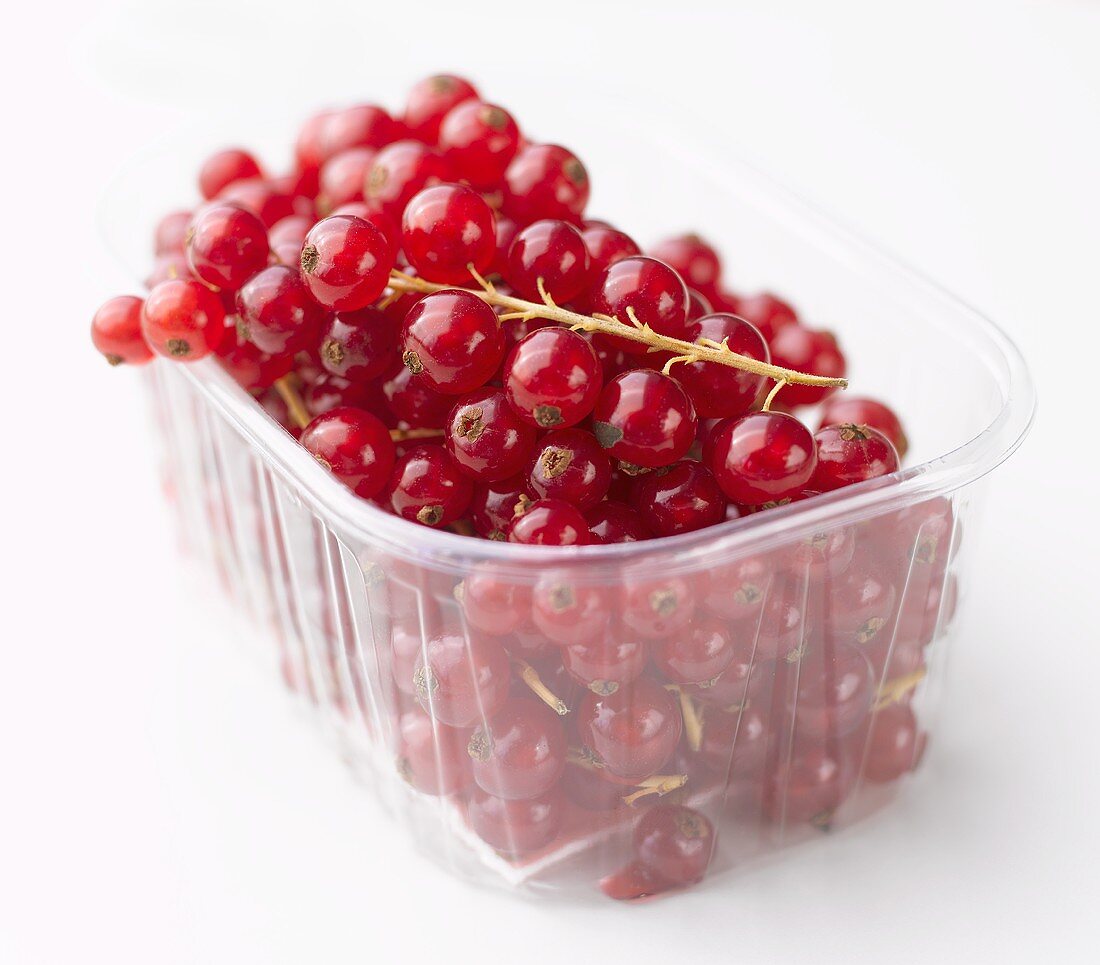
(705,350)
(530,676)
(659,784)
(405,435)
(766,407)
(693,719)
(295,407)
(892,691)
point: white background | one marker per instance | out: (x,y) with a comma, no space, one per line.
(160,803)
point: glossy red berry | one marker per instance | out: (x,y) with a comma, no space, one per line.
(698,305)
(836,688)
(492,600)
(251,367)
(694,259)
(487,438)
(848,454)
(568,464)
(364,125)
(606,245)
(277,313)
(843,408)
(519,753)
(116,331)
(479,141)
(761,457)
(412,401)
(644,419)
(545,181)
(615,522)
(328,392)
(894,745)
(291,230)
(496,504)
(568,611)
(358,345)
(517,827)
(552,378)
(343,177)
(655,608)
(171,233)
(814,352)
(451,340)
(346,262)
(675,843)
(183,320)
(427,487)
(431,756)
(445,230)
(262,198)
(226,245)
(507,229)
(220,170)
(633,731)
(354,446)
(553,252)
(767,312)
(550,522)
(462,681)
(655,294)
(604,663)
(810,786)
(721,390)
(400,171)
(431,100)
(682,498)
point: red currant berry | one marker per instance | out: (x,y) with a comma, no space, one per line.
(737,589)
(328,392)
(895,745)
(848,454)
(493,602)
(445,230)
(400,171)
(655,294)
(370,211)
(698,306)
(606,245)
(249,366)
(860,601)
(810,786)
(431,756)
(697,655)
(506,232)
(568,464)
(364,125)
(633,882)
(261,198)
(346,262)
(413,402)
(696,261)
(451,340)
(675,842)
(761,457)
(479,141)
(427,487)
(517,827)
(487,438)
(495,505)
(682,498)
(550,253)
(520,752)
(550,522)
(633,731)
(116,331)
(552,378)
(291,230)
(656,608)
(735,743)
(721,390)
(768,313)
(545,181)
(277,313)
(567,611)
(842,409)
(462,681)
(817,353)
(220,170)
(644,418)
(354,446)
(343,176)
(605,663)
(226,245)
(358,346)
(183,320)
(171,233)
(431,100)
(615,522)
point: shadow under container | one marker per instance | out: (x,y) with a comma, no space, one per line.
(423,653)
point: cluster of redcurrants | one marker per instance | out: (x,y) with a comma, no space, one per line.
(546,435)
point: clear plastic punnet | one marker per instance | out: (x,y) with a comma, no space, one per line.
(480,687)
